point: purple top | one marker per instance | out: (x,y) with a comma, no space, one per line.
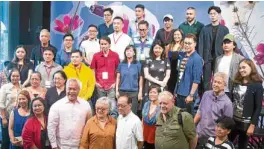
(211,108)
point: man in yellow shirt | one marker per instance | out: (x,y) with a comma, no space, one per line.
(77,69)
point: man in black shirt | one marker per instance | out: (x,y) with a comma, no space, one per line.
(210,44)
(165,35)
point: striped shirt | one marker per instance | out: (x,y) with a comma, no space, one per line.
(225,145)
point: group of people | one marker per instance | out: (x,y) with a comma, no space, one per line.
(130,91)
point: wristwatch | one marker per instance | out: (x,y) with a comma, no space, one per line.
(191,95)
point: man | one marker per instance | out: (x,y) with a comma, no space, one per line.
(106,28)
(210,44)
(133,25)
(105,64)
(90,46)
(165,35)
(214,104)
(143,42)
(191,25)
(228,62)
(129,131)
(67,118)
(190,72)
(77,69)
(63,57)
(174,129)
(48,68)
(119,40)
(37,52)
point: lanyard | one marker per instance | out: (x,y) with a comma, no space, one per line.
(166,37)
(48,70)
(66,56)
(115,41)
(142,45)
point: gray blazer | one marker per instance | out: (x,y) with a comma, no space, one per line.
(236,58)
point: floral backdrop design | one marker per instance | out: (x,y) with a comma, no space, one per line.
(245,22)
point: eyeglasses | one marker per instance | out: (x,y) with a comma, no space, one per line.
(101,109)
(143,30)
(68,40)
(121,106)
(188,43)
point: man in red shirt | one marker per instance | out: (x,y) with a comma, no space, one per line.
(105,64)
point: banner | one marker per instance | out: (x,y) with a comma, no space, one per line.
(244,20)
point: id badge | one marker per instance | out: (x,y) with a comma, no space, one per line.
(47,84)
(142,57)
(105,75)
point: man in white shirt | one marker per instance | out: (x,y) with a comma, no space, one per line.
(90,46)
(67,118)
(228,62)
(119,40)
(129,132)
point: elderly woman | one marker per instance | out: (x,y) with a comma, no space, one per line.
(58,91)
(17,120)
(34,133)
(99,131)
(35,90)
(8,96)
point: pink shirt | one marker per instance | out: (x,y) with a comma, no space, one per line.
(66,122)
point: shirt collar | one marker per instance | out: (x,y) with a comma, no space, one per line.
(147,39)
(219,97)
(68,101)
(195,22)
(52,65)
(109,53)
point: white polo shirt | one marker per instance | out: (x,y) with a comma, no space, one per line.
(89,48)
(129,131)
(119,42)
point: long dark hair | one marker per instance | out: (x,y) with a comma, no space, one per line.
(254,75)
(134,57)
(42,101)
(15,58)
(173,42)
(151,52)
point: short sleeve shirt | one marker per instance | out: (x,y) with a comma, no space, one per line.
(170,134)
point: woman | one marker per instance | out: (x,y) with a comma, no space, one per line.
(58,91)
(17,120)
(23,64)
(129,80)
(157,69)
(247,95)
(99,131)
(35,90)
(150,113)
(176,47)
(34,133)
(8,96)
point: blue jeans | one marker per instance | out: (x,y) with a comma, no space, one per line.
(180,102)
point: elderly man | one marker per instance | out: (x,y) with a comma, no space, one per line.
(175,129)
(67,118)
(129,132)
(99,131)
(214,104)
(37,52)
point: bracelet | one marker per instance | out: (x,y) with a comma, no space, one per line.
(191,95)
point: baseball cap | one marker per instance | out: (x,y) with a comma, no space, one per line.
(168,16)
(229,37)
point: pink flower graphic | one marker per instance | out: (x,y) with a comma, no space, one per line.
(260,56)
(69,24)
